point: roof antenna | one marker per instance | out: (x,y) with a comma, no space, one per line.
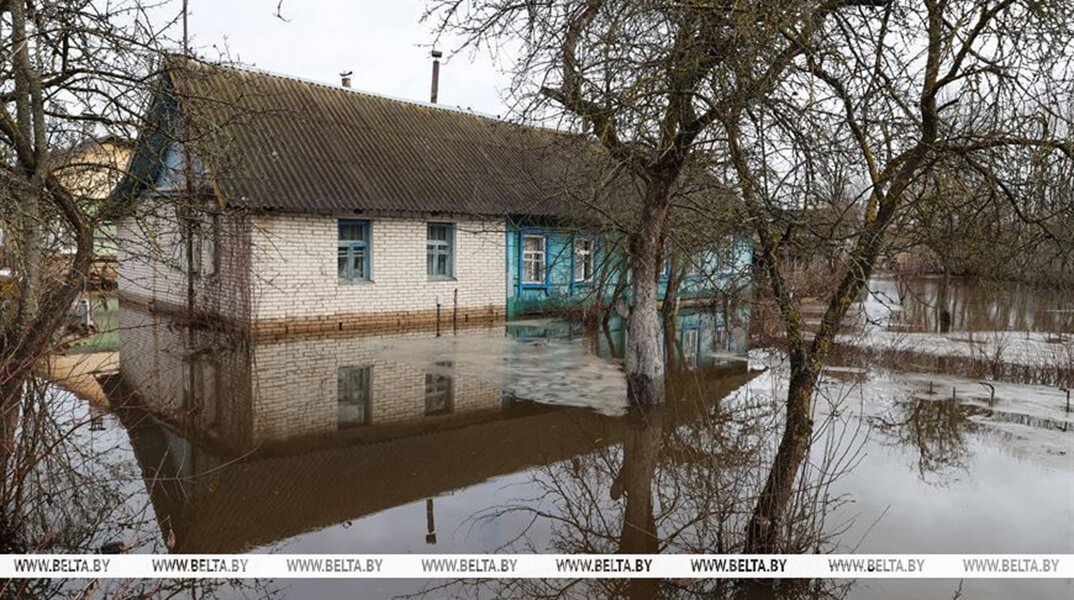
(186,45)
(436,75)
(345,78)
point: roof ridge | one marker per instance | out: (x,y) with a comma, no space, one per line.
(254,70)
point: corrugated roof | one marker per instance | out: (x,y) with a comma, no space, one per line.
(277,143)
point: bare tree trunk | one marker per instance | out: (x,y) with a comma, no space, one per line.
(669,316)
(614,351)
(29,128)
(942,302)
(673,354)
(670,308)
(29,116)
(644,360)
(30,262)
(762,533)
(644,352)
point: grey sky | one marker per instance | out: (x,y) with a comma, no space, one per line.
(382,41)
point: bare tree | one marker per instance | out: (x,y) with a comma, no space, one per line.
(651,82)
(71,69)
(857,99)
(893,92)
(958,222)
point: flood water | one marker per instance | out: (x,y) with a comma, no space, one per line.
(517,438)
(929,304)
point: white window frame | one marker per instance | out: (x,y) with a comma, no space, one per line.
(588,257)
(526,254)
(691,345)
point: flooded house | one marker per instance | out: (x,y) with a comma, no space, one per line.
(302,214)
(282,205)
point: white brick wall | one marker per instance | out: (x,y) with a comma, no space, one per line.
(295,266)
(152,263)
(149,254)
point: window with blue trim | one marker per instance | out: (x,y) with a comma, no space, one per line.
(441,251)
(583,260)
(355,250)
(534,253)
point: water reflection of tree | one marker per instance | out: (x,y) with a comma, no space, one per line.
(680,486)
(946,303)
(934,429)
(72,488)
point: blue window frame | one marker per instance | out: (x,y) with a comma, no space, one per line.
(355,250)
(441,250)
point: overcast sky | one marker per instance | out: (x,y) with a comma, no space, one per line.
(382,41)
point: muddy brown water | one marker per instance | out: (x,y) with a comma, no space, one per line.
(518,439)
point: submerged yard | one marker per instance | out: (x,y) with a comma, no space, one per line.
(518,439)
(245,309)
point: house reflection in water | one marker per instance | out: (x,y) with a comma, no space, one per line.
(242,444)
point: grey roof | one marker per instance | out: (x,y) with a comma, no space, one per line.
(275,143)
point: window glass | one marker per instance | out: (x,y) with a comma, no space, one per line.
(440,255)
(533,259)
(353,259)
(583,260)
(353,231)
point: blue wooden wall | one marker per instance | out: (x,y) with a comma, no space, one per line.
(716,271)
